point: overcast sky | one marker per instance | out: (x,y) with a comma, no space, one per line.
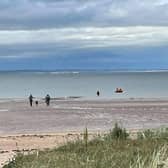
(83,34)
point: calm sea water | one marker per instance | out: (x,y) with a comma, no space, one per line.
(85,84)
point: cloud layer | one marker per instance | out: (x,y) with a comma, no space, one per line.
(88,37)
(89,31)
(37,14)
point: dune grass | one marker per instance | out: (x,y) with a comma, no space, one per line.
(114,150)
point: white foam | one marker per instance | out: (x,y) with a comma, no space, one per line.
(3,110)
(74,108)
(65,72)
(82,108)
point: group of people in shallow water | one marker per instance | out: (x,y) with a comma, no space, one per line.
(47,100)
(118,90)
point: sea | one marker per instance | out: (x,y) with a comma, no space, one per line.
(84,84)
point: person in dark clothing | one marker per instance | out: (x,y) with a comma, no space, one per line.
(36,102)
(47,100)
(98,93)
(31,100)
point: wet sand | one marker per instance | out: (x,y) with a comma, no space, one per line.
(17,117)
(31,128)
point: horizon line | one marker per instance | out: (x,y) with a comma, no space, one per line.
(86,70)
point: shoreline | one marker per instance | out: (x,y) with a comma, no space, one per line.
(66,98)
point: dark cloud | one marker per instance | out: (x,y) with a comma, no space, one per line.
(37,14)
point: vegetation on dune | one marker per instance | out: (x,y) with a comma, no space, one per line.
(114,150)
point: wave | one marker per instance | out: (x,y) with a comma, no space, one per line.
(65,72)
(54,72)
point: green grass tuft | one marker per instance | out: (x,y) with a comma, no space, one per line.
(117,133)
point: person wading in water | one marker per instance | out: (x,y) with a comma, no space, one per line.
(98,93)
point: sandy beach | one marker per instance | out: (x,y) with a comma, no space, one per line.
(25,128)
(17,117)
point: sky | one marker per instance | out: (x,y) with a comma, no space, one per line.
(83,34)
